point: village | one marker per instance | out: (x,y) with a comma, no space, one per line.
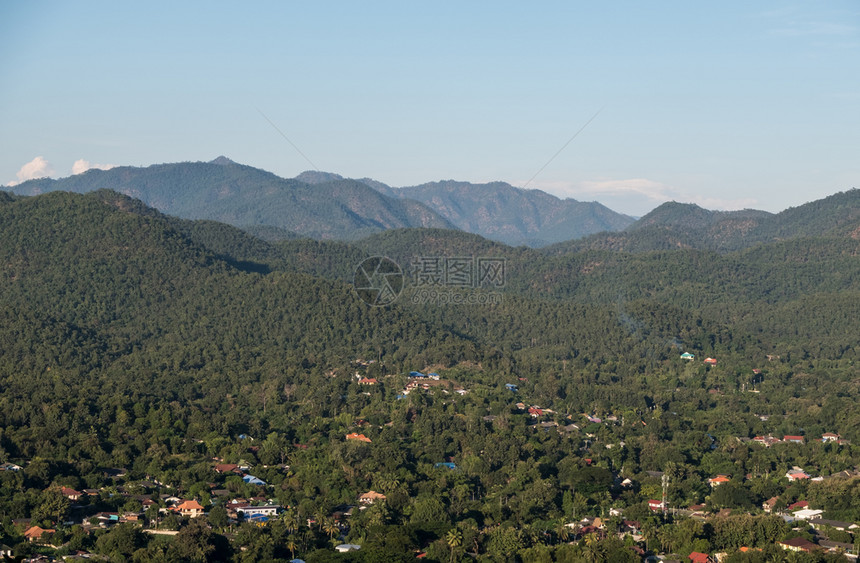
(236,493)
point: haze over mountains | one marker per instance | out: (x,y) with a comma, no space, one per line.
(324,205)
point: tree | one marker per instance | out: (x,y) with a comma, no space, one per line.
(197,542)
(121,542)
(218,516)
(454,539)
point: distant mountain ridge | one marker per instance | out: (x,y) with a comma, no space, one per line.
(515,216)
(324,205)
(243,196)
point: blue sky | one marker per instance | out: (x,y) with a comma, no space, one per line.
(728,105)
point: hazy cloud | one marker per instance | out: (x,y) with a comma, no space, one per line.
(639,195)
(36,168)
(80,166)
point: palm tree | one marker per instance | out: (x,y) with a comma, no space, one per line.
(330,527)
(291,545)
(562,531)
(454,537)
(594,548)
(290,520)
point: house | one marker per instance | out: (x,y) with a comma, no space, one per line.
(345,547)
(799,505)
(797,544)
(807,514)
(70,494)
(796,474)
(448,464)
(511,387)
(357,437)
(251,480)
(370,497)
(9,467)
(368,381)
(711,361)
(793,439)
(258,511)
(417,374)
(535,412)
(687,356)
(106,519)
(190,508)
(836,524)
(768,505)
(227,468)
(655,505)
(829,437)
(766,441)
(697,557)
(835,546)
(719,480)
(35,533)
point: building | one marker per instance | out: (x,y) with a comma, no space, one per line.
(257,511)
(190,508)
(370,497)
(797,544)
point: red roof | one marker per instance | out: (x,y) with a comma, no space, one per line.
(359,437)
(36,532)
(697,557)
(190,505)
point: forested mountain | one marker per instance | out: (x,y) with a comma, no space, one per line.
(680,225)
(512,215)
(243,196)
(162,346)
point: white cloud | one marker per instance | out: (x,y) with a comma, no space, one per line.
(36,168)
(637,196)
(80,166)
(639,186)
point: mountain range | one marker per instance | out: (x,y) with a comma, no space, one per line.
(327,206)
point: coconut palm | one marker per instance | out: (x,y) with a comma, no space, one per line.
(454,538)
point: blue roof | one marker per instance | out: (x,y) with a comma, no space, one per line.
(448,464)
(416,374)
(251,480)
